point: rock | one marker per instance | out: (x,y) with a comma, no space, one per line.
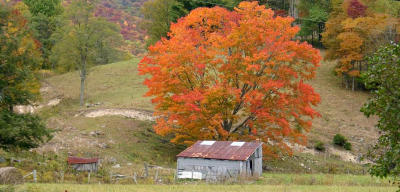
(111,160)
(10,176)
(129,164)
(2,160)
(96,133)
(103,145)
(116,166)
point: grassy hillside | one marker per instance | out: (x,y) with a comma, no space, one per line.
(130,142)
(340,112)
(116,85)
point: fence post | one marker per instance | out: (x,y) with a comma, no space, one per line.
(156,176)
(34,176)
(88,180)
(62,176)
(134,178)
(146,170)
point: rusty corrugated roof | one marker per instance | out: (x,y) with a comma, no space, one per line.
(78,160)
(221,150)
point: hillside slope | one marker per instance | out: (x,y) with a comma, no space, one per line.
(93,130)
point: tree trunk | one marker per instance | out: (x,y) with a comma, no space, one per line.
(83,78)
(82,90)
(312,38)
(293,9)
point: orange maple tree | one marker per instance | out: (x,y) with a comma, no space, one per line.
(233,75)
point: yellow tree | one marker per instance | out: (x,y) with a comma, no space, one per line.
(352,32)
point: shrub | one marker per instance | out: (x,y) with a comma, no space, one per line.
(347,146)
(319,146)
(339,140)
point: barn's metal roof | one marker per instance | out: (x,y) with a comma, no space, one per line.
(239,151)
(78,160)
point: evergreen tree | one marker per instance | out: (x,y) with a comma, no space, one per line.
(19,59)
(44,22)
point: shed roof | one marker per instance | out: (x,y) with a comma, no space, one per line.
(227,150)
(78,160)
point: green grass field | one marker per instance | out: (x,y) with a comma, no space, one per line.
(269,182)
(200,188)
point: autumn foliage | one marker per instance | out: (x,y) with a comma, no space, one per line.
(353,31)
(356,9)
(19,58)
(233,75)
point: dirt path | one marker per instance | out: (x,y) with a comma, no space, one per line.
(47,90)
(331,150)
(129,113)
(23,109)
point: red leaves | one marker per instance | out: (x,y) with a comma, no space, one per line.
(232,76)
(356,9)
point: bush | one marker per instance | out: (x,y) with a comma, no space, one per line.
(339,140)
(23,131)
(319,146)
(347,146)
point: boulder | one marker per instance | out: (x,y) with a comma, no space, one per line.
(10,176)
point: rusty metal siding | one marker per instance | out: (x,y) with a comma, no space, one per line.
(79,160)
(221,150)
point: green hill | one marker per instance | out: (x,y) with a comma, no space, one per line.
(116,85)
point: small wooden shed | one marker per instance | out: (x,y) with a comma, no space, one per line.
(212,160)
(84,164)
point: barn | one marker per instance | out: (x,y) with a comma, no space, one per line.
(84,164)
(212,160)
